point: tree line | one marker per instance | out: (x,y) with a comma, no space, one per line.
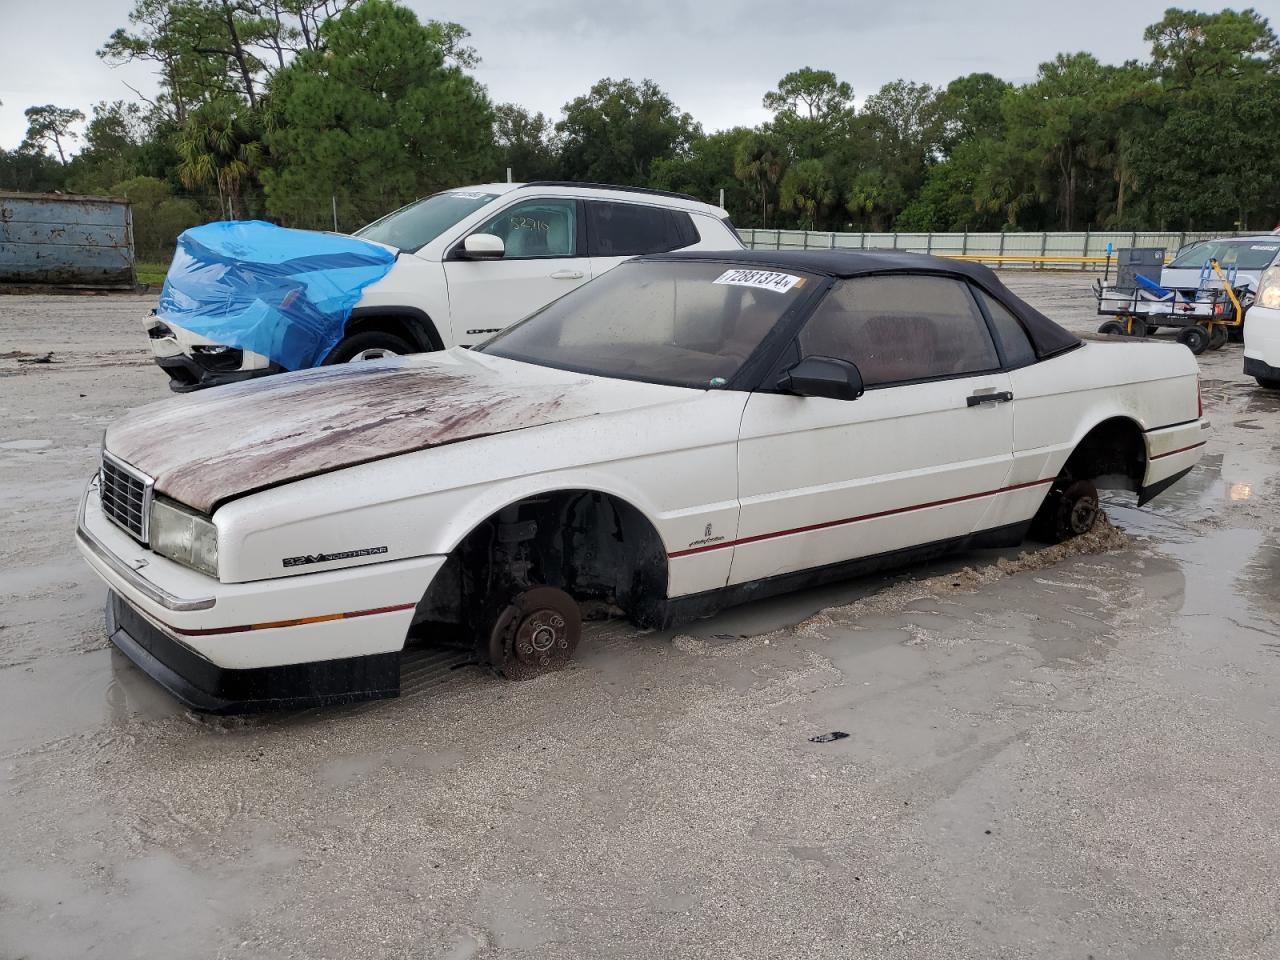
(303,111)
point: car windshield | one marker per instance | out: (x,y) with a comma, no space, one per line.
(683,323)
(416,225)
(1252,254)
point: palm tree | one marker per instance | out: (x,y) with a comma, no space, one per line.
(1005,184)
(808,189)
(759,161)
(219,145)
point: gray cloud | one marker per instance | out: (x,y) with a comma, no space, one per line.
(715,57)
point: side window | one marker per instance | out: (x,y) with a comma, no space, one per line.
(1013,339)
(537,228)
(632,229)
(901,327)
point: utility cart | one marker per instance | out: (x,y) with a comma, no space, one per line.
(1140,305)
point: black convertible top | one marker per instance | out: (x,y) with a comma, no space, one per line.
(1047,337)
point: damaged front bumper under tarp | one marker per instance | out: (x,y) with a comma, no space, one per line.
(285,294)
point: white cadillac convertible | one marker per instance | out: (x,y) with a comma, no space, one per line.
(688,431)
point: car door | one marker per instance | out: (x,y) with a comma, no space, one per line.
(544,258)
(1046,411)
(618,231)
(917,459)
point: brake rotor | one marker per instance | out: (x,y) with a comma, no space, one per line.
(536,633)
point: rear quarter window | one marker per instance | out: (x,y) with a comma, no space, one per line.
(633,229)
(733,232)
(1018,351)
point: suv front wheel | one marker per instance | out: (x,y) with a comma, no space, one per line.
(371,345)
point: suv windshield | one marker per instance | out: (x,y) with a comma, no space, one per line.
(416,225)
(687,324)
(1254,254)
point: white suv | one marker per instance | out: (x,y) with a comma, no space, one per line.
(471,261)
(1262,334)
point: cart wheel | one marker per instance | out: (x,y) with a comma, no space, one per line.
(1152,328)
(1218,338)
(1194,338)
(536,633)
(1068,511)
(1113,328)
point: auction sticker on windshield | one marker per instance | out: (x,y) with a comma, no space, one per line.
(764,279)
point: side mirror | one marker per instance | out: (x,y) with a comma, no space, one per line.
(823,377)
(482,246)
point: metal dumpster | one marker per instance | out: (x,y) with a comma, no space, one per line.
(50,239)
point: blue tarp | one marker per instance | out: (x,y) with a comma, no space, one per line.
(285,294)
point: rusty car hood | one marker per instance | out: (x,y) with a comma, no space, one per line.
(205,448)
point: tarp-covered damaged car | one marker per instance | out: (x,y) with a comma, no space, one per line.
(689,431)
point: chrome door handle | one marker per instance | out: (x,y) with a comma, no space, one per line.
(568,275)
(1003,396)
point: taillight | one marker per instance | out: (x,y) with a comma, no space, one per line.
(1199,401)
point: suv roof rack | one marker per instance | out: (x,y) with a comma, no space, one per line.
(611,186)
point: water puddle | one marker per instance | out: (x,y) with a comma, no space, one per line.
(75,694)
(30,444)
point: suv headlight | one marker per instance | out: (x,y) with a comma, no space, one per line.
(184,536)
(1269,288)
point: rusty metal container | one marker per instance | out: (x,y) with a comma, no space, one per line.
(56,240)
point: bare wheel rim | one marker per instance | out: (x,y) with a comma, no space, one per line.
(1084,514)
(373,353)
(1079,509)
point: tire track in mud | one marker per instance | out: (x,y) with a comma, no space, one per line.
(74,362)
(1105,538)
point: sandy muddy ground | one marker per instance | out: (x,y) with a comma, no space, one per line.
(1065,753)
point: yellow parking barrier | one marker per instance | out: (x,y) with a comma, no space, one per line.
(1026,258)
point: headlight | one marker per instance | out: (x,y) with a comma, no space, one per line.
(1269,288)
(184,536)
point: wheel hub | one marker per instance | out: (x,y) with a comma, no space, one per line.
(536,633)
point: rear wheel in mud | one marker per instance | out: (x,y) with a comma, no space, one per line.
(372,345)
(536,633)
(1070,510)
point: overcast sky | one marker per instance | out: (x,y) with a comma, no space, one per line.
(716,58)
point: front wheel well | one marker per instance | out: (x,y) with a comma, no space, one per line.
(405,322)
(1113,455)
(595,546)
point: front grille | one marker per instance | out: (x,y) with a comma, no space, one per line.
(126,496)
